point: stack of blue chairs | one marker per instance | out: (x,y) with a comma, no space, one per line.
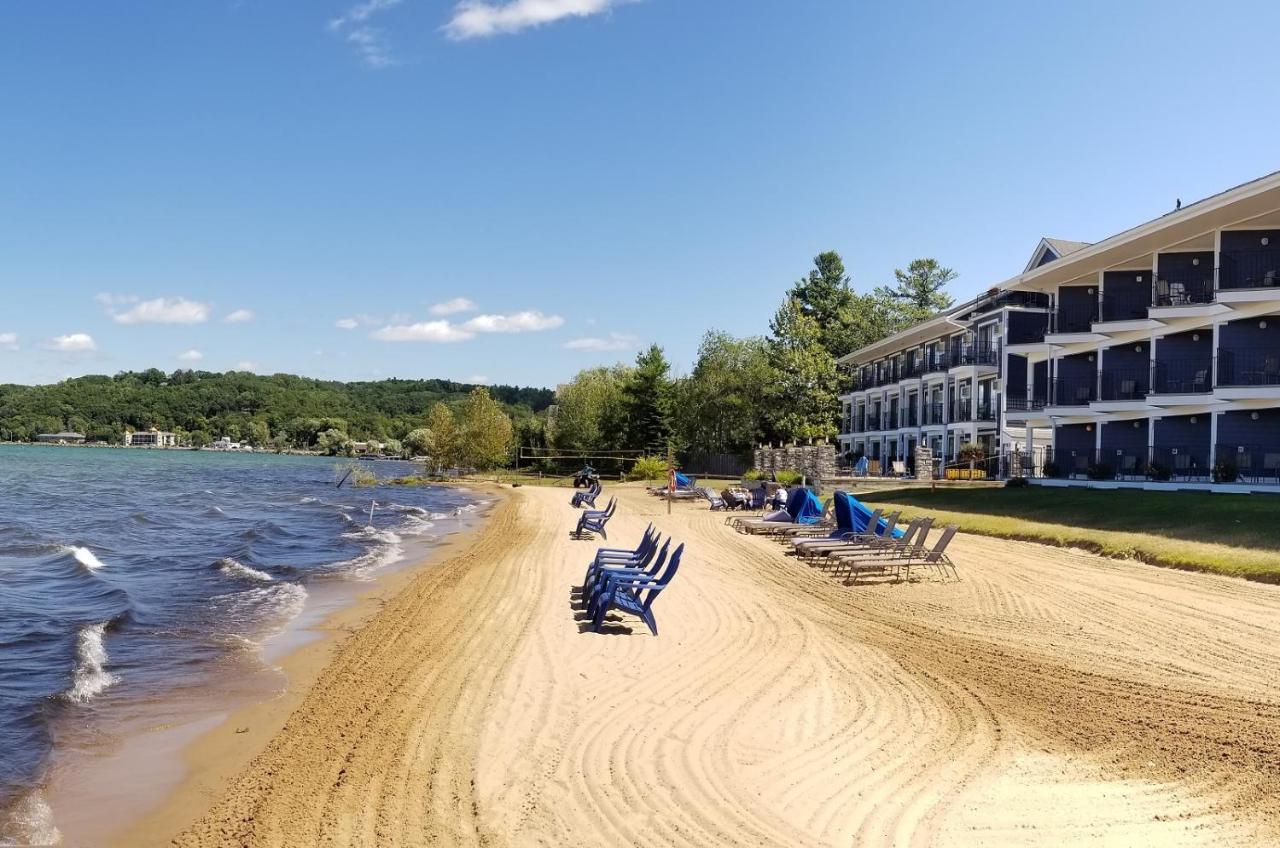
(628,581)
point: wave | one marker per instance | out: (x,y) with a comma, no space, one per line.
(84,556)
(274,605)
(30,823)
(234,568)
(90,676)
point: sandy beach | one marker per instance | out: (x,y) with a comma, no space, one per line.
(1049,698)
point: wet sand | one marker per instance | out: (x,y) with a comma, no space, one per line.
(1049,698)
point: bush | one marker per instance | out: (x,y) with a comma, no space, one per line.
(788,478)
(1100,471)
(1158,472)
(753,474)
(1017,483)
(648,468)
(1225,472)
(1051,469)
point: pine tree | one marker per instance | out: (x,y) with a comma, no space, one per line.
(918,293)
(647,402)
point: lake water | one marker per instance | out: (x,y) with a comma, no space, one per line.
(130,575)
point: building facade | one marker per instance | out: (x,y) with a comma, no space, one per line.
(1150,358)
(151,439)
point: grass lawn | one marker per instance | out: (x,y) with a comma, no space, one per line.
(1237,535)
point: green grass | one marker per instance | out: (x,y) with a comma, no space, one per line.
(1237,535)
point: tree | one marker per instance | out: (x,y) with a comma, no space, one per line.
(444,437)
(335,443)
(259,433)
(646,402)
(589,411)
(418,442)
(807,401)
(918,293)
(484,432)
(721,406)
(827,296)
(393,447)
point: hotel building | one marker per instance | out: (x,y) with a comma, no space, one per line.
(1151,358)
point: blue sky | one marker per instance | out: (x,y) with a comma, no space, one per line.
(515,189)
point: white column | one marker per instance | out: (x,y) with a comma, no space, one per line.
(1213,437)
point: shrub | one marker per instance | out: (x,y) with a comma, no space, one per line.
(788,478)
(1158,472)
(1100,471)
(1225,472)
(1051,469)
(648,468)
(1016,483)
(753,474)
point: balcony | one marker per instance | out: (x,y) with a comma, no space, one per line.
(1249,269)
(932,414)
(1074,318)
(1161,464)
(1193,376)
(1183,288)
(984,411)
(980,353)
(962,410)
(1074,392)
(911,369)
(909,417)
(1237,463)
(1119,384)
(1125,306)
(1244,367)
(1022,404)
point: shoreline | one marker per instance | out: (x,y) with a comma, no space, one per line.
(212,749)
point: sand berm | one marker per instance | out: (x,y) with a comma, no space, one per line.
(1049,698)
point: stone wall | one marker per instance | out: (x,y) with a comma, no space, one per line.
(813,461)
(924,463)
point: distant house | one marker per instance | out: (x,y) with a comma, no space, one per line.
(66,438)
(225,444)
(152,438)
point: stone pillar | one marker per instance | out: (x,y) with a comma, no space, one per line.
(924,463)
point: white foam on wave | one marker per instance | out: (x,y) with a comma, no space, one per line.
(90,676)
(275,605)
(30,823)
(234,568)
(84,556)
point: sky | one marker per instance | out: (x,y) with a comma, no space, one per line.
(508,191)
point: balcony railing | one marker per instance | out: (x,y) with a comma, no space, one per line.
(1249,269)
(1125,305)
(1022,404)
(1190,376)
(984,411)
(1245,367)
(1133,464)
(1125,383)
(1074,318)
(909,417)
(1183,287)
(962,410)
(1243,463)
(1179,463)
(932,413)
(1074,392)
(934,361)
(978,353)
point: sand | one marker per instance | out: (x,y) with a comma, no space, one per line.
(1048,698)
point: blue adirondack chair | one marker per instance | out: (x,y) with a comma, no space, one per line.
(606,559)
(588,497)
(599,578)
(635,595)
(593,521)
(626,553)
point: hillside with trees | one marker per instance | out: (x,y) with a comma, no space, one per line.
(279,410)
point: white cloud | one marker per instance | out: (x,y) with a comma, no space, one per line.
(369,42)
(425,331)
(8,341)
(72,343)
(354,321)
(480,19)
(346,323)
(192,355)
(615,341)
(239,316)
(160,310)
(453,307)
(246,365)
(478,380)
(530,320)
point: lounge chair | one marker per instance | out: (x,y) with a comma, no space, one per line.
(635,595)
(934,558)
(874,553)
(647,565)
(713,497)
(803,506)
(882,529)
(587,498)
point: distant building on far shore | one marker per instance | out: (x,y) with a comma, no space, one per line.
(66,438)
(152,438)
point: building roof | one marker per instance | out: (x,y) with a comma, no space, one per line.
(1049,249)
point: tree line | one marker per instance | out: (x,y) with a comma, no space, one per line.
(740,392)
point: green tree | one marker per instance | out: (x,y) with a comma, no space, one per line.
(393,447)
(418,442)
(721,406)
(484,432)
(444,437)
(807,403)
(259,433)
(646,402)
(335,443)
(918,293)
(589,411)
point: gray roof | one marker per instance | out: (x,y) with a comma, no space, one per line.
(1062,247)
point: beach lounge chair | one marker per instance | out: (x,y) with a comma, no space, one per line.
(876,551)
(935,557)
(587,498)
(884,528)
(802,505)
(635,595)
(713,497)
(899,468)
